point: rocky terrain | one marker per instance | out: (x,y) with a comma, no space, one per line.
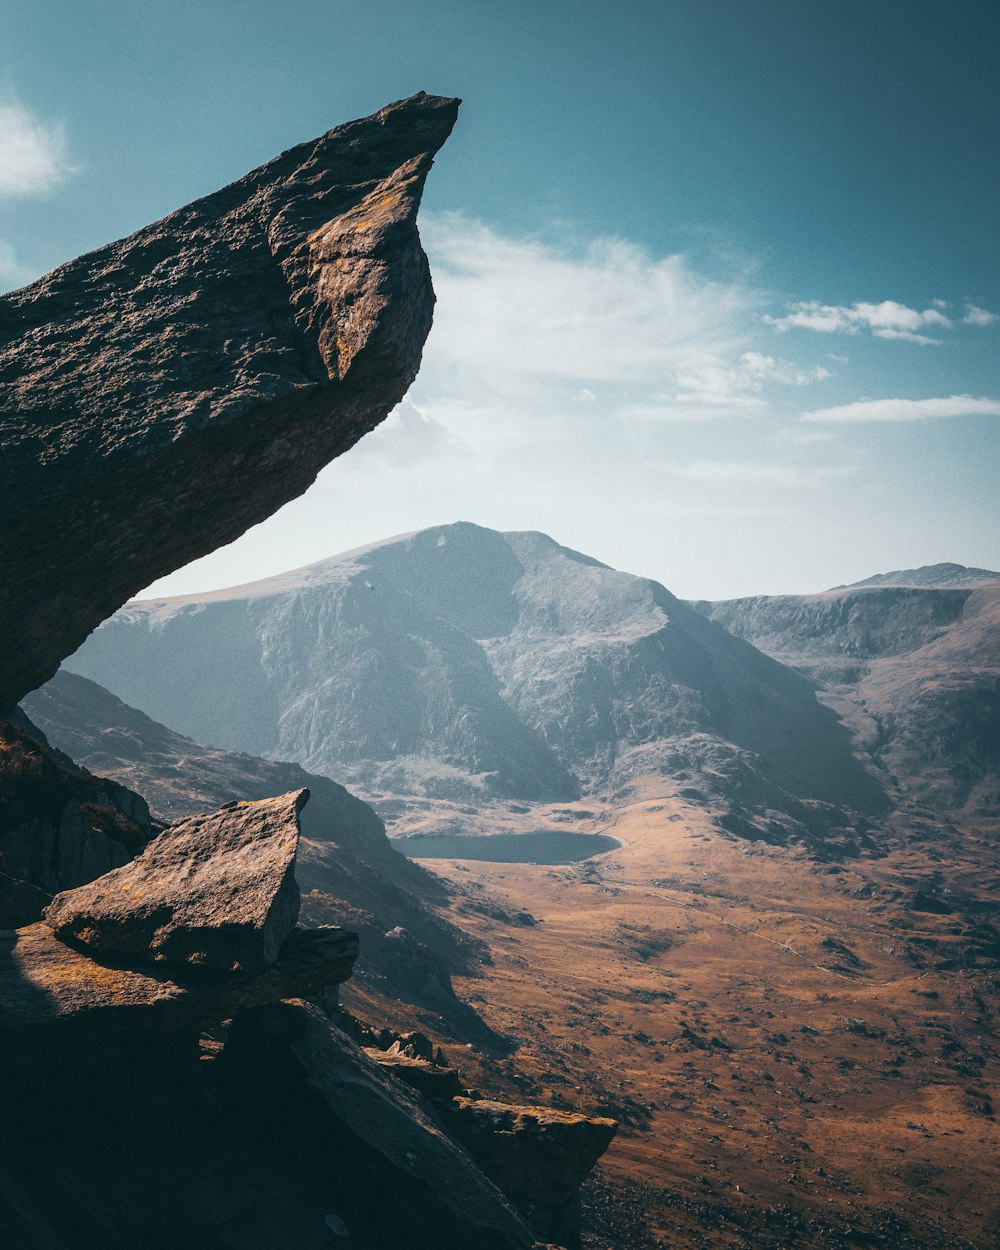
(346,867)
(801,1053)
(930,575)
(59,825)
(460,666)
(165,1007)
(774,963)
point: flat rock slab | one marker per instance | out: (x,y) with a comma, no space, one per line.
(216,892)
(161,395)
(56,1000)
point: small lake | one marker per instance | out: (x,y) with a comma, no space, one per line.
(553,846)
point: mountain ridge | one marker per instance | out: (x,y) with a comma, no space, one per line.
(928,575)
(462,662)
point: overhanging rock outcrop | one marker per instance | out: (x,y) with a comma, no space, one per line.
(161,395)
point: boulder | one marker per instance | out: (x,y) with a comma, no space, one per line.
(539,1158)
(55,999)
(168,391)
(433,1082)
(215,892)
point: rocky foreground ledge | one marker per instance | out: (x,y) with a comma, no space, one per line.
(168,1016)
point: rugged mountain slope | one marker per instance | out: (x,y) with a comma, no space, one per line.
(347,868)
(916,668)
(462,663)
(163,394)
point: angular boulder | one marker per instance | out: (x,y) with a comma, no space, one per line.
(217,892)
(161,395)
(56,1001)
(538,1157)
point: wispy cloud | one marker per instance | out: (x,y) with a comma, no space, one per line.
(978,316)
(887,320)
(608,329)
(33,157)
(906,410)
(408,436)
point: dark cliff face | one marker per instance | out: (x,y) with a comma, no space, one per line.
(161,395)
(59,825)
(464,664)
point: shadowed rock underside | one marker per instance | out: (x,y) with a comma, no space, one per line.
(166,392)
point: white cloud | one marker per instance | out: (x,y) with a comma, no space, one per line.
(736,472)
(887,320)
(760,368)
(33,158)
(906,409)
(978,316)
(527,327)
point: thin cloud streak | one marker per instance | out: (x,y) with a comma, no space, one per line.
(975,316)
(901,410)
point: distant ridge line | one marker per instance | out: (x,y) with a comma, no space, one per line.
(929,576)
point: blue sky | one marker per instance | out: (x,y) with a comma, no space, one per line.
(717,281)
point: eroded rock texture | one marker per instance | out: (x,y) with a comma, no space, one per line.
(538,1157)
(166,392)
(215,891)
(62,1002)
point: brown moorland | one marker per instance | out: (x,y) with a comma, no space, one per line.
(801,1053)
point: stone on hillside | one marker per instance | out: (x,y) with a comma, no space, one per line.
(215,891)
(538,1157)
(437,1083)
(60,827)
(57,1001)
(168,391)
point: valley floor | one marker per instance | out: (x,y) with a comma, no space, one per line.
(797,1054)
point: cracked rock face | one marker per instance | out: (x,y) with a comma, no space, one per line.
(216,892)
(161,395)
